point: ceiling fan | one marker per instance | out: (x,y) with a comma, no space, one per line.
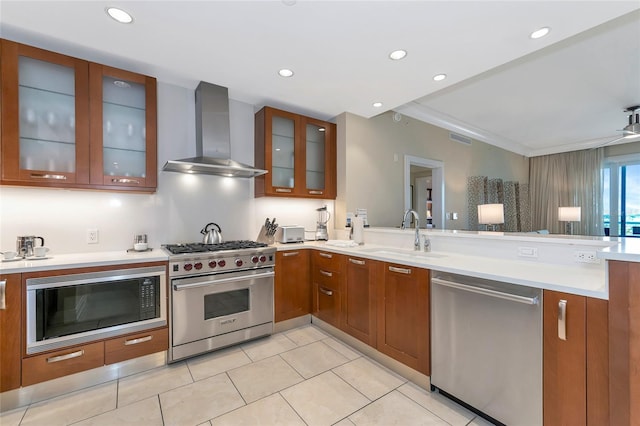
(630,132)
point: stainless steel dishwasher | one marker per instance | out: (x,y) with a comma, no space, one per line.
(486,346)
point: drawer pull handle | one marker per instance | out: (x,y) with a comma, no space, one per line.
(562,320)
(356,261)
(47,176)
(283,190)
(326,255)
(291,253)
(325,273)
(400,270)
(138,340)
(65,357)
(3,295)
(125,180)
(325,291)
(315,192)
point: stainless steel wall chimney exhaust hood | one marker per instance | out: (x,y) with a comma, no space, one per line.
(213,138)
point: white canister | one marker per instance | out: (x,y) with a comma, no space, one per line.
(358,229)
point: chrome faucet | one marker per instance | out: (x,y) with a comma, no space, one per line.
(416,242)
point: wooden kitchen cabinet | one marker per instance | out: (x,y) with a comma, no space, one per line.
(299,152)
(327,278)
(292,288)
(403,315)
(10,331)
(63,362)
(69,123)
(359,299)
(136,345)
(575,360)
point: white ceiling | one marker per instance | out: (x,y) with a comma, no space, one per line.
(562,92)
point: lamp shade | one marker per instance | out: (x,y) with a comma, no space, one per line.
(490,214)
(569,214)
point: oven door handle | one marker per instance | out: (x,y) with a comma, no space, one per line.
(180,287)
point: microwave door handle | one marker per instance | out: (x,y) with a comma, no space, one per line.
(180,287)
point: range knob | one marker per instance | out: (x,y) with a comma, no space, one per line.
(239,262)
(263,258)
(222,263)
(198,265)
(254,259)
(188,266)
(212,264)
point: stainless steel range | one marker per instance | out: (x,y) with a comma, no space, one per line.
(221,294)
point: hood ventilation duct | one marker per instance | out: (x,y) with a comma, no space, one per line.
(213,138)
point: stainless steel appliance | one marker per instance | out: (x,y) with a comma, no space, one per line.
(25,245)
(290,234)
(211,235)
(486,347)
(70,309)
(221,294)
(321,224)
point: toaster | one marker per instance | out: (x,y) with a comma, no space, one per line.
(290,234)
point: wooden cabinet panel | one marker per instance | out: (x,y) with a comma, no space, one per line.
(299,152)
(359,299)
(597,362)
(60,363)
(136,345)
(292,286)
(10,331)
(403,316)
(624,343)
(328,261)
(564,361)
(326,302)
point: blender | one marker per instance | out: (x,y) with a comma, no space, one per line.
(321,225)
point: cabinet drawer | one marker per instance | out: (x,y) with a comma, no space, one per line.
(327,304)
(328,261)
(135,345)
(327,278)
(61,363)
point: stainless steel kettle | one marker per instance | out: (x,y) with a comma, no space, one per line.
(211,236)
(25,245)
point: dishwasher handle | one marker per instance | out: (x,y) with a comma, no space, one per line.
(487,292)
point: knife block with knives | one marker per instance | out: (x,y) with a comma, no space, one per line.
(267,231)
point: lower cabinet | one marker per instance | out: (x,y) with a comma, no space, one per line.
(40,368)
(51,365)
(359,299)
(575,360)
(403,316)
(292,289)
(10,330)
(327,278)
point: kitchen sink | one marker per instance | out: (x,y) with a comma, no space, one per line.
(400,252)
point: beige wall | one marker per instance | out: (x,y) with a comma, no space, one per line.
(370,177)
(623,149)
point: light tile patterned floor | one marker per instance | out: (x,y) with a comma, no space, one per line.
(299,377)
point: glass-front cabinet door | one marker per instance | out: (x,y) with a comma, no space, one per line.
(123,125)
(45,129)
(283,154)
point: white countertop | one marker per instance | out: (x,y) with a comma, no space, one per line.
(81,260)
(575,280)
(628,250)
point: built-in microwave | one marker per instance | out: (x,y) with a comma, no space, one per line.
(71,309)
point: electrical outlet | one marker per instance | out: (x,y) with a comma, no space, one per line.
(528,252)
(586,257)
(92,236)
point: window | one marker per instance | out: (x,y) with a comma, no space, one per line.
(621,196)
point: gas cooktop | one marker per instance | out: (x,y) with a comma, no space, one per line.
(205,248)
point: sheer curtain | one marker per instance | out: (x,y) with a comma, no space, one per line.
(567,180)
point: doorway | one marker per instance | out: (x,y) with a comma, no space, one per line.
(424,179)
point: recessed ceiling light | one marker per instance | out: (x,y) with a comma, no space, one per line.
(119,15)
(284,72)
(377,104)
(396,55)
(439,77)
(289,2)
(540,33)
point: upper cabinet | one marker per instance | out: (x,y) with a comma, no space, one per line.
(299,152)
(75,124)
